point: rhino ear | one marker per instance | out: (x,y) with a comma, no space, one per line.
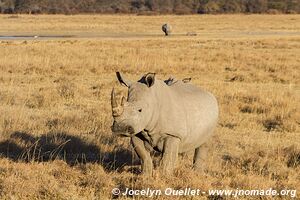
(123,80)
(150,79)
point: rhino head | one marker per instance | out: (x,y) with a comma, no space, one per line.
(134,113)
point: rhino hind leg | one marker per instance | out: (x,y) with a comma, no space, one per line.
(170,154)
(200,157)
(144,155)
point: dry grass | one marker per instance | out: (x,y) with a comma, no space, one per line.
(55,138)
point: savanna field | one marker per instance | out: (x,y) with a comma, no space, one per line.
(55,136)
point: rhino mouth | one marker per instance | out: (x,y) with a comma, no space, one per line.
(123,134)
(127,131)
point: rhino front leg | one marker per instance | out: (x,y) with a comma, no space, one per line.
(200,157)
(170,154)
(144,155)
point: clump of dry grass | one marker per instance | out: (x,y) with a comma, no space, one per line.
(55,137)
(66,90)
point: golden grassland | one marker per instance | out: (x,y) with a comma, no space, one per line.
(55,137)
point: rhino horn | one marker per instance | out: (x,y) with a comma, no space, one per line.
(113,99)
(117,110)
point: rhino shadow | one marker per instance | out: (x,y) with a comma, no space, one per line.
(24,147)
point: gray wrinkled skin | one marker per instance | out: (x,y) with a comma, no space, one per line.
(166,28)
(170,118)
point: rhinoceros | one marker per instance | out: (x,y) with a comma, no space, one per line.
(166,28)
(170,119)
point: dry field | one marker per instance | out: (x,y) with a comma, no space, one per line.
(55,137)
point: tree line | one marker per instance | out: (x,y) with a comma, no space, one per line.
(149,7)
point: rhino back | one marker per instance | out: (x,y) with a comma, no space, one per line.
(189,113)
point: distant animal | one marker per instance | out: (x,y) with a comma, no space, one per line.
(170,119)
(166,28)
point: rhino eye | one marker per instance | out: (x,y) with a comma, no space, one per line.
(140,110)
